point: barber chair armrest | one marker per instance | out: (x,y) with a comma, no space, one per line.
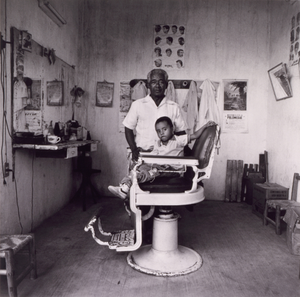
(171,160)
(200,173)
(139,197)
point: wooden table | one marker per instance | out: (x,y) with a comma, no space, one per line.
(67,150)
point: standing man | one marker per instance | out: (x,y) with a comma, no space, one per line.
(144,112)
(142,116)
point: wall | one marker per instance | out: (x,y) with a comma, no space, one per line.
(232,39)
(42,186)
(283,124)
(225,40)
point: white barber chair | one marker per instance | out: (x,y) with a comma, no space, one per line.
(164,257)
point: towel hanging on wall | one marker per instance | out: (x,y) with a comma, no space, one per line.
(208,109)
(170,92)
(139,91)
(190,106)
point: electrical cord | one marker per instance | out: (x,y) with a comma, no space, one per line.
(7,127)
(32,187)
(18,208)
(3,68)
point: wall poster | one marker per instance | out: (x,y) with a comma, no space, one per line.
(54,93)
(27,105)
(294,40)
(104,94)
(169,46)
(125,102)
(235,122)
(235,118)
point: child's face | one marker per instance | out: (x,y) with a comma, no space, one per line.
(164,131)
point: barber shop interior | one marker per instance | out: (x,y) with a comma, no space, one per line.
(150,148)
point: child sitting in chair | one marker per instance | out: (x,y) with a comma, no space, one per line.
(167,145)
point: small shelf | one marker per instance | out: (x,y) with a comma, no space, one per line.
(63,150)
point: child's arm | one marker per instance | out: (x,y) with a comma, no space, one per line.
(148,150)
(197,133)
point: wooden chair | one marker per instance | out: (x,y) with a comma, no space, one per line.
(10,245)
(280,206)
(254,173)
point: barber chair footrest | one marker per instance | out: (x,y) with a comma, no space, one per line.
(124,238)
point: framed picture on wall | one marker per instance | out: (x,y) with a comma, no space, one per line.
(280,83)
(104,94)
(26,41)
(54,93)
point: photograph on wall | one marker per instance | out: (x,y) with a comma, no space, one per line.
(235,122)
(34,96)
(33,120)
(294,40)
(169,46)
(26,41)
(125,102)
(125,96)
(280,82)
(54,93)
(104,94)
(235,94)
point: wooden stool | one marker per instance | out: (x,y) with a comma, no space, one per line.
(280,206)
(10,245)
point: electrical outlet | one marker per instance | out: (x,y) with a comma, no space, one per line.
(6,166)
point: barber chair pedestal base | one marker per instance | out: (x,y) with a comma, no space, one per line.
(165,257)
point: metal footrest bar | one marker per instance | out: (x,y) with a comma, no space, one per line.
(123,238)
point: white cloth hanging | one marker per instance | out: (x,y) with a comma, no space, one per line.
(190,106)
(208,109)
(139,91)
(170,92)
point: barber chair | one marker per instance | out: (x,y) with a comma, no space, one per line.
(164,257)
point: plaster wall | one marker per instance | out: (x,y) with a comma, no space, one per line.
(224,40)
(42,186)
(283,117)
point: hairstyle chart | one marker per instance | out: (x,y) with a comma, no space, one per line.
(169,46)
(295,40)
